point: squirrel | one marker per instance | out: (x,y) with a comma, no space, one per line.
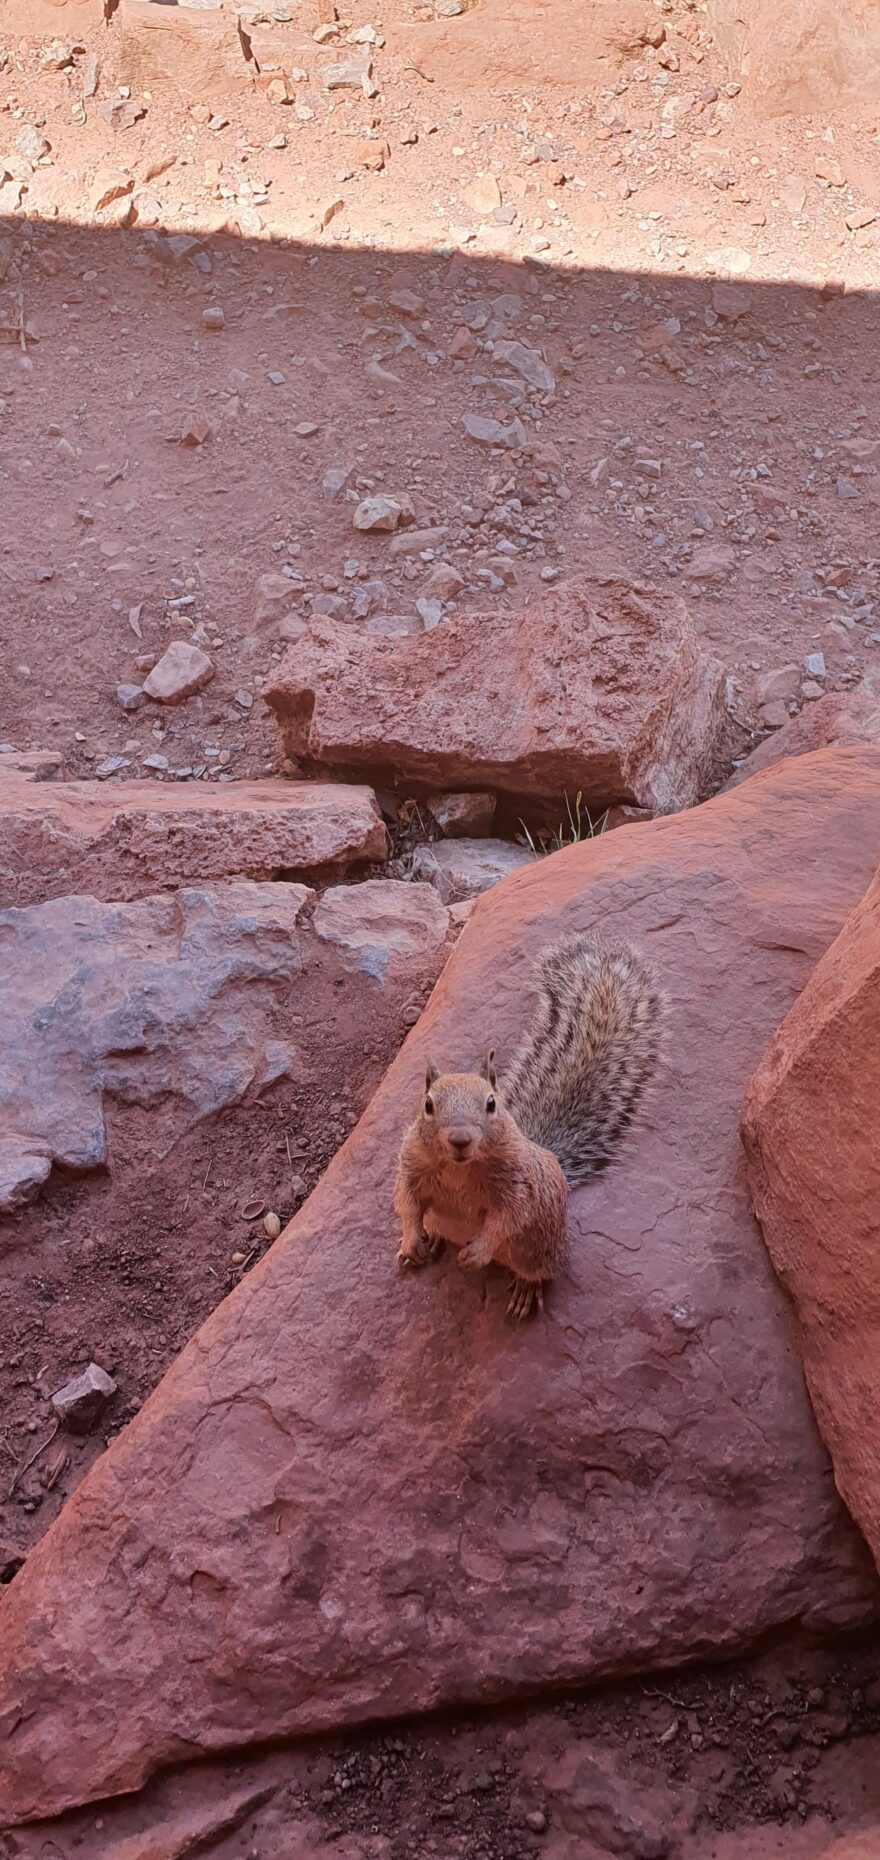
(490,1172)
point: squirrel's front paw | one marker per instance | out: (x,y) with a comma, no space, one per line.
(417,1250)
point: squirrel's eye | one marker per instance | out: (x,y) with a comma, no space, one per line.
(429,1107)
(490,1104)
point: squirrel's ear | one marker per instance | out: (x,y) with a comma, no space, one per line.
(487,1069)
(431,1074)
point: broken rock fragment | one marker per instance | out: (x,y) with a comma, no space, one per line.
(463,816)
(383,924)
(182,670)
(81,1403)
(597,689)
(460,869)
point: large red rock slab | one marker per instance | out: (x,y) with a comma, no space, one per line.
(122,840)
(812,56)
(810,1129)
(841,717)
(599,689)
(357,1494)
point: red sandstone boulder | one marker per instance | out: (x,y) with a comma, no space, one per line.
(810,1130)
(119,840)
(509,42)
(194,51)
(41,19)
(841,717)
(599,689)
(819,56)
(356,1494)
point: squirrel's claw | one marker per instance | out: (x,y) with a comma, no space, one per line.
(525,1295)
(420,1253)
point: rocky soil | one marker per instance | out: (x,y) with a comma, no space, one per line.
(323,326)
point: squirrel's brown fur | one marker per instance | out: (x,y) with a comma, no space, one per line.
(491,1174)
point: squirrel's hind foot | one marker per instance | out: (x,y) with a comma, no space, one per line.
(525,1296)
(421,1251)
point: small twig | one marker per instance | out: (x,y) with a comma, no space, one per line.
(54,1473)
(27,1464)
(408,66)
(207,1173)
(22,327)
(653,1692)
(289,1157)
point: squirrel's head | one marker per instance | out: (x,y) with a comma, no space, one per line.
(461,1111)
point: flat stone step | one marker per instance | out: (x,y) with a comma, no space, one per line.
(124,840)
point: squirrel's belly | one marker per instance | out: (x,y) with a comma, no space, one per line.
(443,1222)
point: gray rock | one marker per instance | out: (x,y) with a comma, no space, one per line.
(354,74)
(382,924)
(377,513)
(130,697)
(527,363)
(488,432)
(332,604)
(430,612)
(335,480)
(181,670)
(814,665)
(166,1003)
(24,1166)
(463,868)
(31,144)
(82,1402)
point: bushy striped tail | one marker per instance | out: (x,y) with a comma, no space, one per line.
(593,1048)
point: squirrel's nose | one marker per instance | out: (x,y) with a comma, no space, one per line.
(460,1141)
